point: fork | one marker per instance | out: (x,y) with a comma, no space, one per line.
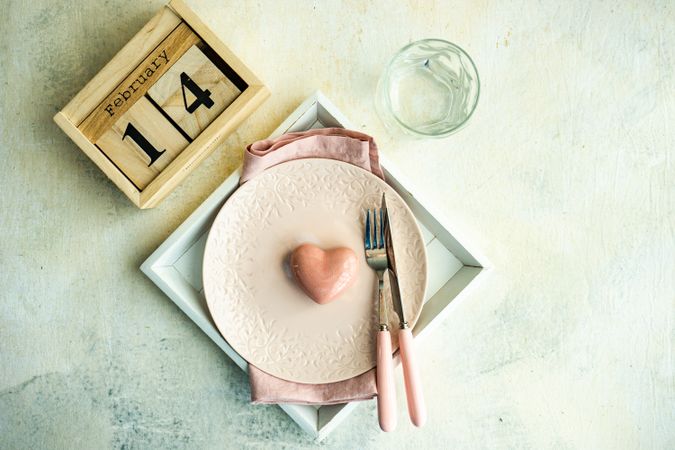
(376,257)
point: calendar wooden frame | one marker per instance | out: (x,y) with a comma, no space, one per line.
(72,116)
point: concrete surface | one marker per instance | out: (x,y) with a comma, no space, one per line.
(564,179)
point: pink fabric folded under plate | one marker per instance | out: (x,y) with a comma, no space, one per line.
(349,146)
(333,143)
(266,388)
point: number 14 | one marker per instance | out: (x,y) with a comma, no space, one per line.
(202,97)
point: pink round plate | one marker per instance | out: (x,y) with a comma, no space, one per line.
(253,299)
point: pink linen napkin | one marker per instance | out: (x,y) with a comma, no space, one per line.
(355,148)
(349,146)
(266,388)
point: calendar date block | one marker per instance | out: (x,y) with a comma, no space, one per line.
(161,105)
(194,91)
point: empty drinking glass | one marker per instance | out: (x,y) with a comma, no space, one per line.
(429,89)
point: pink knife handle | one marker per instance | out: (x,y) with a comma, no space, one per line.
(386,392)
(411,374)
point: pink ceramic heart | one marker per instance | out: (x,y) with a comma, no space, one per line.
(323,274)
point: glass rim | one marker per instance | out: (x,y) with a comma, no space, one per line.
(388,100)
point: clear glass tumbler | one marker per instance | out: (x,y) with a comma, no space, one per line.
(429,89)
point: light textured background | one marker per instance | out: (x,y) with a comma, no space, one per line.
(564,178)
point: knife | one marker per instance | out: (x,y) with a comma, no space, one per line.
(413,386)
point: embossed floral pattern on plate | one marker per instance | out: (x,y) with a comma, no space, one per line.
(252,297)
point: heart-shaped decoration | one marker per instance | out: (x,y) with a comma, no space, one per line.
(323,274)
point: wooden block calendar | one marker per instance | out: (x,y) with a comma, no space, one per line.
(161,105)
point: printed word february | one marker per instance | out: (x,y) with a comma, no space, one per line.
(135,85)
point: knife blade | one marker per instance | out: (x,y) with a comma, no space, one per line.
(413,385)
(393,274)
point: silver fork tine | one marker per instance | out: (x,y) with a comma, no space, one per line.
(374,229)
(366,242)
(372,224)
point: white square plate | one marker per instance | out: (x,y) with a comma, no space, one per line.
(176,266)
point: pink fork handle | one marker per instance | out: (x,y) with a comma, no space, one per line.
(411,375)
(386,392)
